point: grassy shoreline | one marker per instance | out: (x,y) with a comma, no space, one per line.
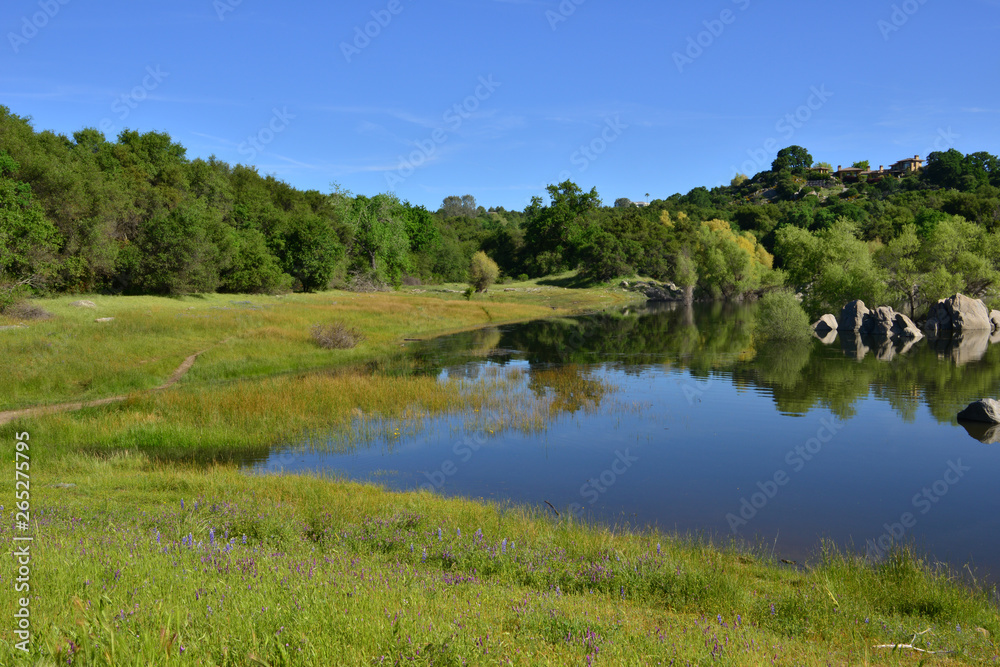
(135,558)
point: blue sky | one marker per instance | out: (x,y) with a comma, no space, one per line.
(497,98)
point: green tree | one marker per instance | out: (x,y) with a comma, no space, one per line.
(831,267)
(483,271)
(900,259)
(780,317)
(380,247)
(28,241)
(792,157)
(551,233)
(176,252)
(862,164)
(253,269)
(945,170)
(311,250)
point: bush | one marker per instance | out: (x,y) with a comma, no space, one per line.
(780,317)
(411,281)
(365,282)
(483,271)
(23,310)
(523,278)
(336,336)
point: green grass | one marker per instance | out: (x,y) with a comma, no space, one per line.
(300,570)
(140,559)
(71,357)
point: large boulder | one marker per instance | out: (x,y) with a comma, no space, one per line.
(878,322)
(824,325)
(903,327)
(958,313)
(986,410)
(852,316)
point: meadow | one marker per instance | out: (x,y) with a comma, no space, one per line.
(151,547)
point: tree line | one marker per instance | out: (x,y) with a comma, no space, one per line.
(134,215)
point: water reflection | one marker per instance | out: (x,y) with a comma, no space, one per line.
(709,414)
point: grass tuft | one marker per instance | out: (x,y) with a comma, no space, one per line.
(25,310)
(336,336)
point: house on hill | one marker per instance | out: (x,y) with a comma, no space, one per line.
(898,170)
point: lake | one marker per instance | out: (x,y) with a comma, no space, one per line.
(677,418)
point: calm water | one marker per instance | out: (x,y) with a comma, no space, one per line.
(672,417)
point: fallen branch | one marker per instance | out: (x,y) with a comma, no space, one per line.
(910,646)
(553,508)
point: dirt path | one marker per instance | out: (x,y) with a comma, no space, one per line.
(11,415)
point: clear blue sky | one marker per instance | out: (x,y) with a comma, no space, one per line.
(894,79)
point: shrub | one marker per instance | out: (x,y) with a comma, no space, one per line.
(483,271)
(523,278)
(411,281)
(365,282)
(336,336)
(780,317)
(23,310)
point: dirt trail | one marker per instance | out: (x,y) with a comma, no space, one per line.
(11,415)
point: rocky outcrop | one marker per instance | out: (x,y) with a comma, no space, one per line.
(985,410)
(995,319)
(852,316)
(656,291)
(878,322)
(824,325)
(887,323)
(904,327)
(958,313)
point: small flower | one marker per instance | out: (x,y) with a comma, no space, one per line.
(182,503)
(423,559)
(503,546)
(439,535)
(211,535)
(459,530)
(657,548)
